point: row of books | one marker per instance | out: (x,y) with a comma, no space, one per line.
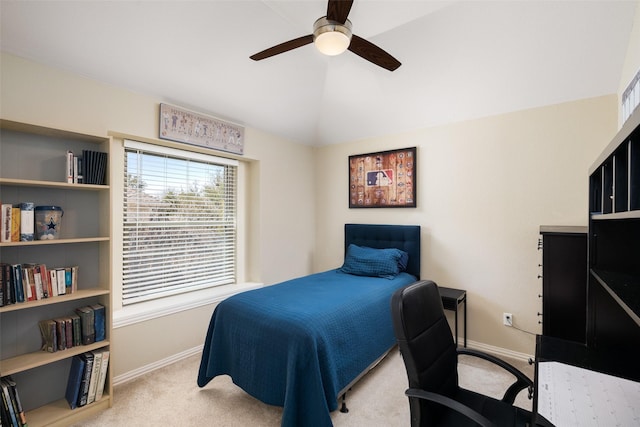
(87,378)
(30,282)
(90,168)
(85,326)
(18,221)
(11,412)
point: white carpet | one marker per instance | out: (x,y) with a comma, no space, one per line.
(171,397)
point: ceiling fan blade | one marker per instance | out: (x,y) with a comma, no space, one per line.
(283,47)
(338,10)
(373,53)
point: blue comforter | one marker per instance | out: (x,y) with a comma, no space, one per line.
(297,344)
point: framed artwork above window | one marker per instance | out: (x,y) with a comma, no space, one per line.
(386,179)
(181,125)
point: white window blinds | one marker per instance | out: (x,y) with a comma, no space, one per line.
(179,231)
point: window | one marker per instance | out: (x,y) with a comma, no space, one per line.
(631,97)
(179,232)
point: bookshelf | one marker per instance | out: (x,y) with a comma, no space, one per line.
(614,245)
(32,168)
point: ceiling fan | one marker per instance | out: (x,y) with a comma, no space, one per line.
(332,35)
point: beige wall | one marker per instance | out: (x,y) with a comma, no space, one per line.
(484,188)
(281,206)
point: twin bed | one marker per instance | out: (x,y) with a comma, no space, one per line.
(301,344)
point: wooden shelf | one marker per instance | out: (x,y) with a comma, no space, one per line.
(52,184)
(51,132)
(56,241)
(78,295)
(28,361)
(58,413)
(564,229)
(617,215)
(624,288)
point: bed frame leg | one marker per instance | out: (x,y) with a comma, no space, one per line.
(344,408)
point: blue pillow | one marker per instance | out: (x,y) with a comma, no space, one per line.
(365,261)
(403,261)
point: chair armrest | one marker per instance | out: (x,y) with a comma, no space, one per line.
(450,403)
(522,381)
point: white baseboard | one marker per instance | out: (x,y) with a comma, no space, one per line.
(131,375)
(497,351)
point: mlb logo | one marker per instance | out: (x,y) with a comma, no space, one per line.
(380,178)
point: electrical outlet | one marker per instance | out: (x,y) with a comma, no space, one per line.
(507,319)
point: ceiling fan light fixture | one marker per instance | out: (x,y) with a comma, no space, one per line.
(331,37)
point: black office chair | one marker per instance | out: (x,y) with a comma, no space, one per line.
(431,360)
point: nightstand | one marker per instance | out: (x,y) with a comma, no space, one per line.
(451,300)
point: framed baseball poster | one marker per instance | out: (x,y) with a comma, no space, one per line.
(385,179)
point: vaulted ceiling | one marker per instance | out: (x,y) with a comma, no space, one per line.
(460,59)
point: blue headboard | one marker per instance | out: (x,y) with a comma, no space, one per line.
(404,237)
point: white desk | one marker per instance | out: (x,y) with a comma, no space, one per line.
(572,396)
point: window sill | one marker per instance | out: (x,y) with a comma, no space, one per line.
(165,306)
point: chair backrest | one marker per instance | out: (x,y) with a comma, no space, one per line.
(426,344)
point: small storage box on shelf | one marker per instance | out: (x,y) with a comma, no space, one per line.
(32,168)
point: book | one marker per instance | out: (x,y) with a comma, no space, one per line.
(61,333)
(68,280)
(69,165)
(102,171)
(103,374)
(26,290)
(11,287)
(95,375)
(89,166)
(5,419)
(77,329)
(27,221)
(5,229)
(29,277)
(68,325)
(48,331)
(5,283)
(74,278)
(80,171)
(87,159)
(75,169)
(46,281)
(16,279)
(15,396)
(3,302)
(87,330)
(40,287)
(99,321)
(15,223)
(7,287)
(86,378)
(53,280)
(8,403)
(75,380)
(61,280)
